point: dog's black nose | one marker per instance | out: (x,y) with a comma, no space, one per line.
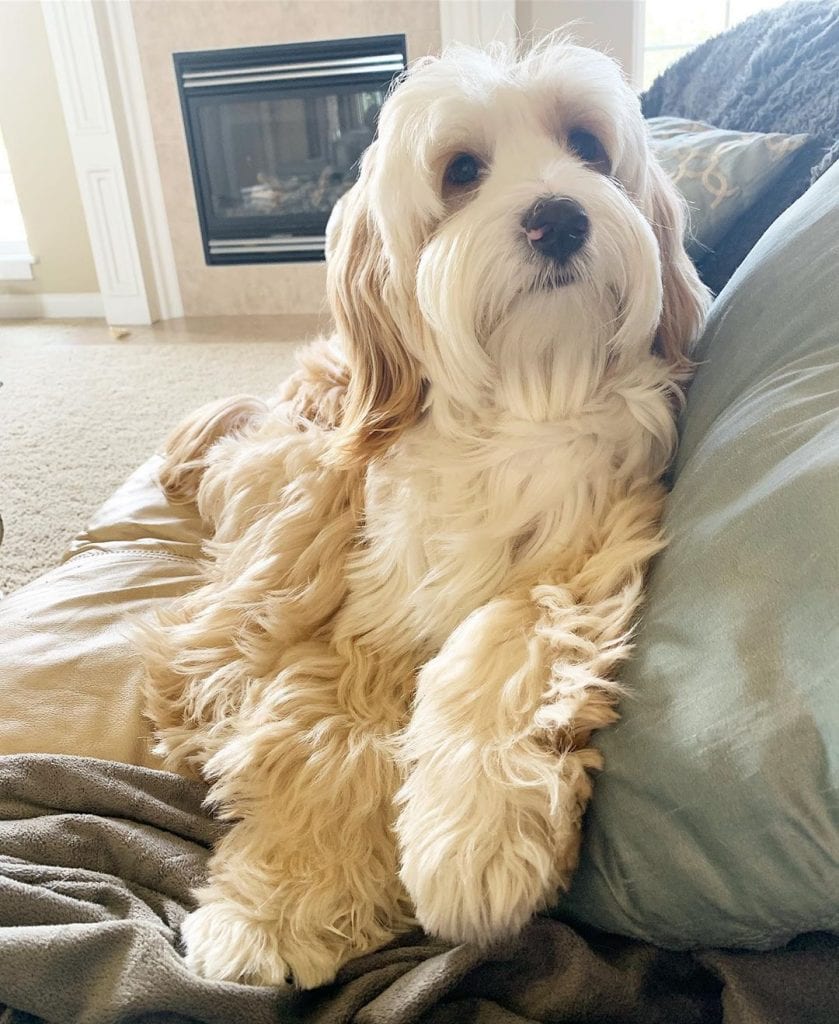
(556,227)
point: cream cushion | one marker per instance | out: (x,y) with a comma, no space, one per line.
(70,679)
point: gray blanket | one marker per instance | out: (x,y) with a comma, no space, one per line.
(96,864)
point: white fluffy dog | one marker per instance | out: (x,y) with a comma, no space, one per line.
(428,552)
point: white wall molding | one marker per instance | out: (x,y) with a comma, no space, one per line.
(144,159)
(52,306)
(83,88)
(478,22)
(635,72)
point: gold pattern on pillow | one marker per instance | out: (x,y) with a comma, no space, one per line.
(720,173)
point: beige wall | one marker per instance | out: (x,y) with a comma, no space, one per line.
(164,27)
(608,25)
(39,154)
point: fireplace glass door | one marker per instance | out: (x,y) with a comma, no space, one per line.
(275,144)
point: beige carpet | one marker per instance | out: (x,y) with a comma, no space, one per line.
(75,419)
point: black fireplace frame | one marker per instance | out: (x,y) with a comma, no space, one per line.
(302,240)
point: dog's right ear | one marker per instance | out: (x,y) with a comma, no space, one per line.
(385,386)
(685,298)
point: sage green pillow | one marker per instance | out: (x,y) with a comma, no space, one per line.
(720,173)
(716,819)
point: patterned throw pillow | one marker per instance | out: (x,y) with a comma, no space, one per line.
(720,173)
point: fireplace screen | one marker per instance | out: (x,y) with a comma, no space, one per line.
(275,135)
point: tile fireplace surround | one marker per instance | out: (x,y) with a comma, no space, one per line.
(166,27)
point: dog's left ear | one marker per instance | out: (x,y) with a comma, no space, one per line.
(685,298)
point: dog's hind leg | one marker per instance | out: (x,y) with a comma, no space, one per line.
(186,448)
(282,527)
(314,394)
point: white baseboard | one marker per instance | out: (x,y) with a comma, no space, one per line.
(52,306)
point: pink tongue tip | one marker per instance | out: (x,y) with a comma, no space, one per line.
(534,234)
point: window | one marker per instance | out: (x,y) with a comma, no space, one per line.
(671,29)
(15,261)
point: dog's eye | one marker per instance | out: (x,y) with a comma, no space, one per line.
(464,169)
(588,148)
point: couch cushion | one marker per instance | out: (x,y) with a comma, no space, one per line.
(70,681)
(716,821)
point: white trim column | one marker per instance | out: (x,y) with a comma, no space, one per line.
(83,88)
(478,22)
(636,71)
(146,170)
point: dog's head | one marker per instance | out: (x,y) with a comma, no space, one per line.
(503,199)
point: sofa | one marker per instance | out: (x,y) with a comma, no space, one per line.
(708,888)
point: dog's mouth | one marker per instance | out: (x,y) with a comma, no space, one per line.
(549,275)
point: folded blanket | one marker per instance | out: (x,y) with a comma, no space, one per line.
(97,861)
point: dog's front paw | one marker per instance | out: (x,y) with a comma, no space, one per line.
(224,944)
(477,895)
(474,875)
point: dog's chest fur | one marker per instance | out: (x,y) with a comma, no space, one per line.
(452,521)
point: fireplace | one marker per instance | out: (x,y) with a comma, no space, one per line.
(275,134)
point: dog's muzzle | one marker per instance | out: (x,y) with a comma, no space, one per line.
(556,227)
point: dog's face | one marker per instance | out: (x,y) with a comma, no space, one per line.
(506,200)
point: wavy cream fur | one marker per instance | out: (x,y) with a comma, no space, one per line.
(429,550)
